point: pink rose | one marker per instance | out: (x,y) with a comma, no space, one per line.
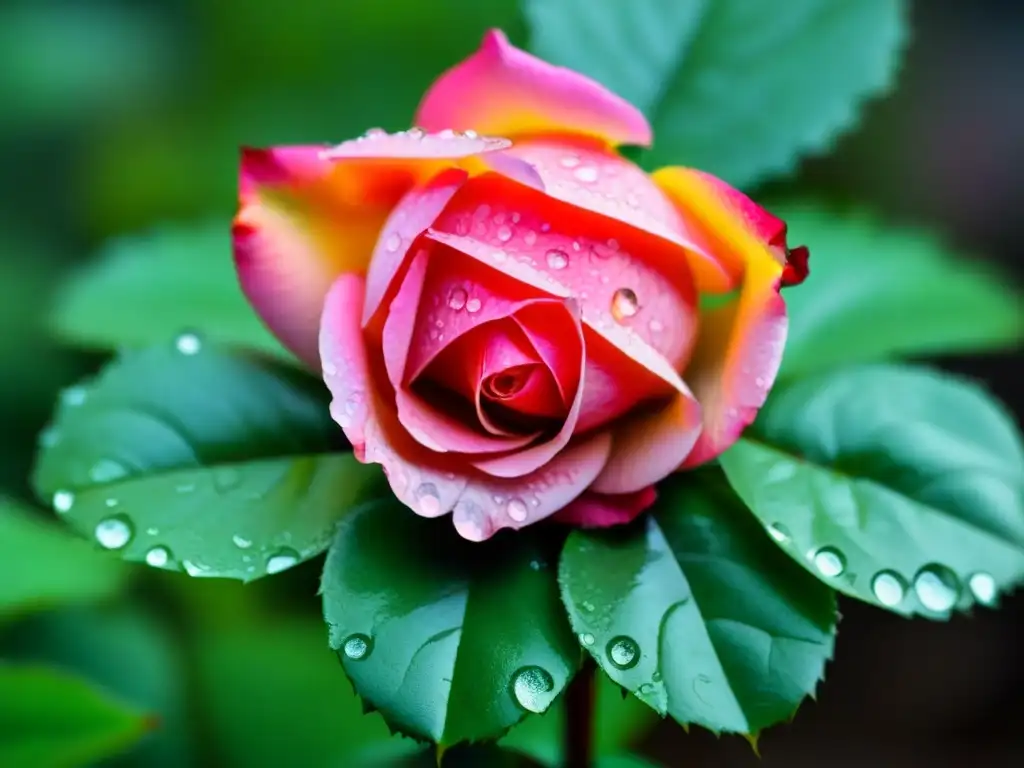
(504,309)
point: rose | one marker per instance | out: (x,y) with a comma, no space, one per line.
(504,309)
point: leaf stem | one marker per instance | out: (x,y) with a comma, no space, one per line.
(579,719)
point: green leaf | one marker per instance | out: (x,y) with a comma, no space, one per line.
(465,756)
(737,88)
(127,650)
(619,722)
(695,612)
(451,640)
(899,486)
(876,293)
(42,565)
(149,288)
(196,459)
(49,718)
(272,697)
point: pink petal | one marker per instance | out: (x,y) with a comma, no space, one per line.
(650,444)
(504,90)
(599,510)
(737,357)
(310,213)
(591,178)
(490,504)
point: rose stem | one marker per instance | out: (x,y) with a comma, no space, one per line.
(579,717)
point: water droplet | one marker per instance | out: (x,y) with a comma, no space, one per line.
(623,652)
(533,688)
(428,500)
(113,532)
(504,234)
(107,471)
(656,326)
(557,259)
(517,510)
(646,689)
(111,502)
(530,237)
(282,560)
(624,304)
(374,133)
(63,501)
(937,587)
(587,639)
(829,562)
(188,344)
(889,588)
(152,531)
(158,557)
(779,532)
(185,487)
(73,396)
(499,255)
(586,173)
(357,647)
(226,479)
(569,161)
(330,368)
(587,606)
(472,306)
(49,437)
(197,570)
(538,565)
(241,542)
(470,134)
(457,298)
(393,242)
(983,587)
(415,132)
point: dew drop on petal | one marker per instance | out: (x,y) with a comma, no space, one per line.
(504,234)
(358,646)
(158,557)
(569,161)
(889,588)
(113,532)
(557,259)
(586,174)
(533,688)
(473,306)
(517,510)
(457,298)
(428,500)
(393,242)
(624,304)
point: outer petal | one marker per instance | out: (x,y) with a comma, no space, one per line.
(599,510)
(307,214)
(502,89)
(737,357)
(728,225)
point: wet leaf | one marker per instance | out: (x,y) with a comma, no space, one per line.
(185,457)
(695,612)
(900,486)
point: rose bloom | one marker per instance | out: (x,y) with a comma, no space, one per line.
(506,312)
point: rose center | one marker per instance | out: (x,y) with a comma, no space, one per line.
(506,384)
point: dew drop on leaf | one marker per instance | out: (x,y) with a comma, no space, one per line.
(158,557)
(889,588)
(983,587)
(586,639)
(357,647)
(113,532)
(188,344)
(937,587)
(623,652)
(63,501)
(779,532)
(107,471)
(282,560)
(241,542)
(830,562)
(532,687)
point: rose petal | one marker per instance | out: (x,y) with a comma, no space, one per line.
(490,504)
(737,357)
(600,510)
(504,90)
(309,213)
(728,224)
(650,444)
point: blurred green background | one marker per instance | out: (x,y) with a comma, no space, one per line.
(121,115)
